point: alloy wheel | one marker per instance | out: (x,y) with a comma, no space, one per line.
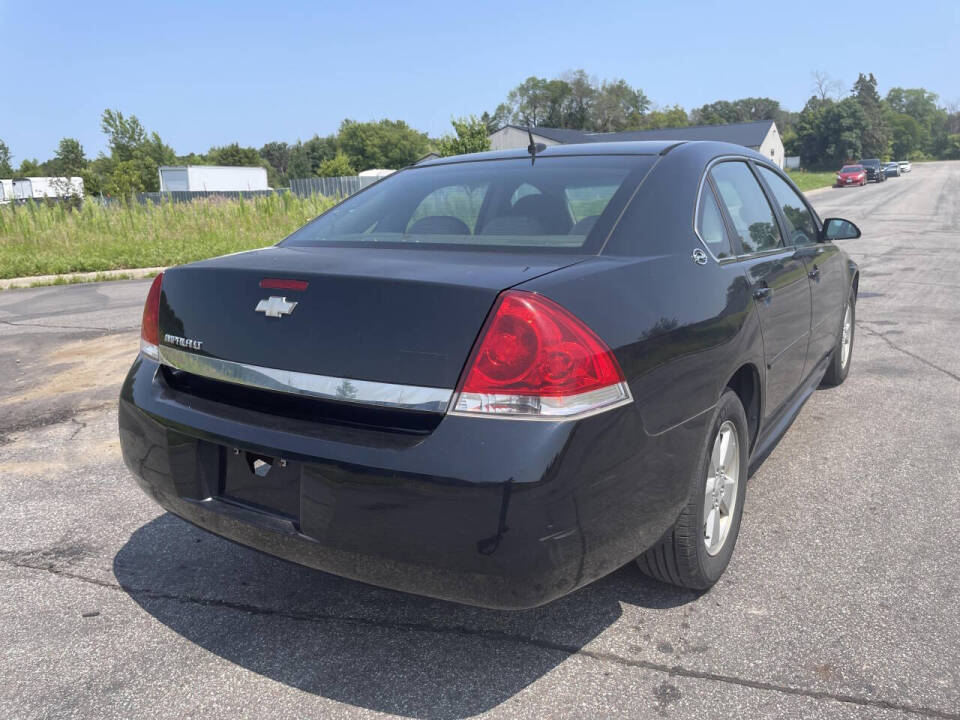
(846,338)
(720,494)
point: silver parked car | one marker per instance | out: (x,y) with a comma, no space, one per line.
(904,166)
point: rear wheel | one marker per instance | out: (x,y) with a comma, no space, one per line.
(842,355)
(696,550)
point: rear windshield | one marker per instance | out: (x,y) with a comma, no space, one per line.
(851,168)
(567,203)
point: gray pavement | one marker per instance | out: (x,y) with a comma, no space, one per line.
(842,600)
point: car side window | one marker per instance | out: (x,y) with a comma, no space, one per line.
(800,223)
(710,225)
(751,214)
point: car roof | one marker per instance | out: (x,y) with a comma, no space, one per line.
(634,147)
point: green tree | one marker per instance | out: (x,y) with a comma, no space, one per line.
(557,97)
(69,160)
(670,117)
(875,134)
(907,135)
(124,135)
(125,180)
(748,109)
(306,157)
(471,137)
(720,112)
(234,155)
(499,118)
(578,109)
(6,160)
(130,143)
(529,101)
(385,144)
(30,168)
(337,166)
(618,106)
(843,128)
(277,154)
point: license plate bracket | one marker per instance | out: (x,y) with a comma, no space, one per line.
(262,481)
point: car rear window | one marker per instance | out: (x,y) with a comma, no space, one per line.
(551,203)
(851,168)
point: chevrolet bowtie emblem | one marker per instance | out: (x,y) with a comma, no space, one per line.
(275,306)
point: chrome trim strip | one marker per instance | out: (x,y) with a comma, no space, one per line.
(364,392)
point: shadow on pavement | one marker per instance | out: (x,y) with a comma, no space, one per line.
(353,643)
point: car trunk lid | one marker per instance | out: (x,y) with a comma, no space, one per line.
(399,316)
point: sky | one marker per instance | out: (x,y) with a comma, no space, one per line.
(212,73)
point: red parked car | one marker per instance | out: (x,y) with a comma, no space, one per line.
(851,175)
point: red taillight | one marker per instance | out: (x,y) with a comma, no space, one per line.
(150,326)
(534,358)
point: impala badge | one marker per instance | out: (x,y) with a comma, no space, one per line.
(275,306)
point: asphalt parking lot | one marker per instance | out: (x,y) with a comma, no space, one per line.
(842,599)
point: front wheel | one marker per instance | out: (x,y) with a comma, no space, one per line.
(697,549)
(839,366)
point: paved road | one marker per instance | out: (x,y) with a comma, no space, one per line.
(842,600)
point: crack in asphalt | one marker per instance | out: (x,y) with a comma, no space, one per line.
(863,324)
(463,631)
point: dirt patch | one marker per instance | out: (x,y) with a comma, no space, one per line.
(83,366)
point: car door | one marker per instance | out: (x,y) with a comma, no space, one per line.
(777,277)
(823,262)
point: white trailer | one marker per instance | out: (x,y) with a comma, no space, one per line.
(38,188)
(368,177)
(217,178)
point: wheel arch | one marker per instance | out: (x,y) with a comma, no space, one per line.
(745,382)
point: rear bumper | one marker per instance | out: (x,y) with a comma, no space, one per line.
(491,512)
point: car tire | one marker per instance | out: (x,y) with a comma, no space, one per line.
(688,555)
(841,358)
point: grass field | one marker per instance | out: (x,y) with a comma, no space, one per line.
(812,180)
(42,240)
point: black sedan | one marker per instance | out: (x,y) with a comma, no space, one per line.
(874,169)
(495,378)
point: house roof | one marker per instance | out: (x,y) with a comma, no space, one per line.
(750,134)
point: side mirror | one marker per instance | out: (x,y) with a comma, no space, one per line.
(839,229)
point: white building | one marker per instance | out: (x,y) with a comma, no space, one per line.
(761,136)
(216,178)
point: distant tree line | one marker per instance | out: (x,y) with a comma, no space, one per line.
(831,128)
(907,123)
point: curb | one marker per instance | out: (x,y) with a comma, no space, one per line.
(79,277)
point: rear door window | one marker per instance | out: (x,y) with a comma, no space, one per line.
(750,213)
(801,226)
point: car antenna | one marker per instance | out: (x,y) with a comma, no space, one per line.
(534,147)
